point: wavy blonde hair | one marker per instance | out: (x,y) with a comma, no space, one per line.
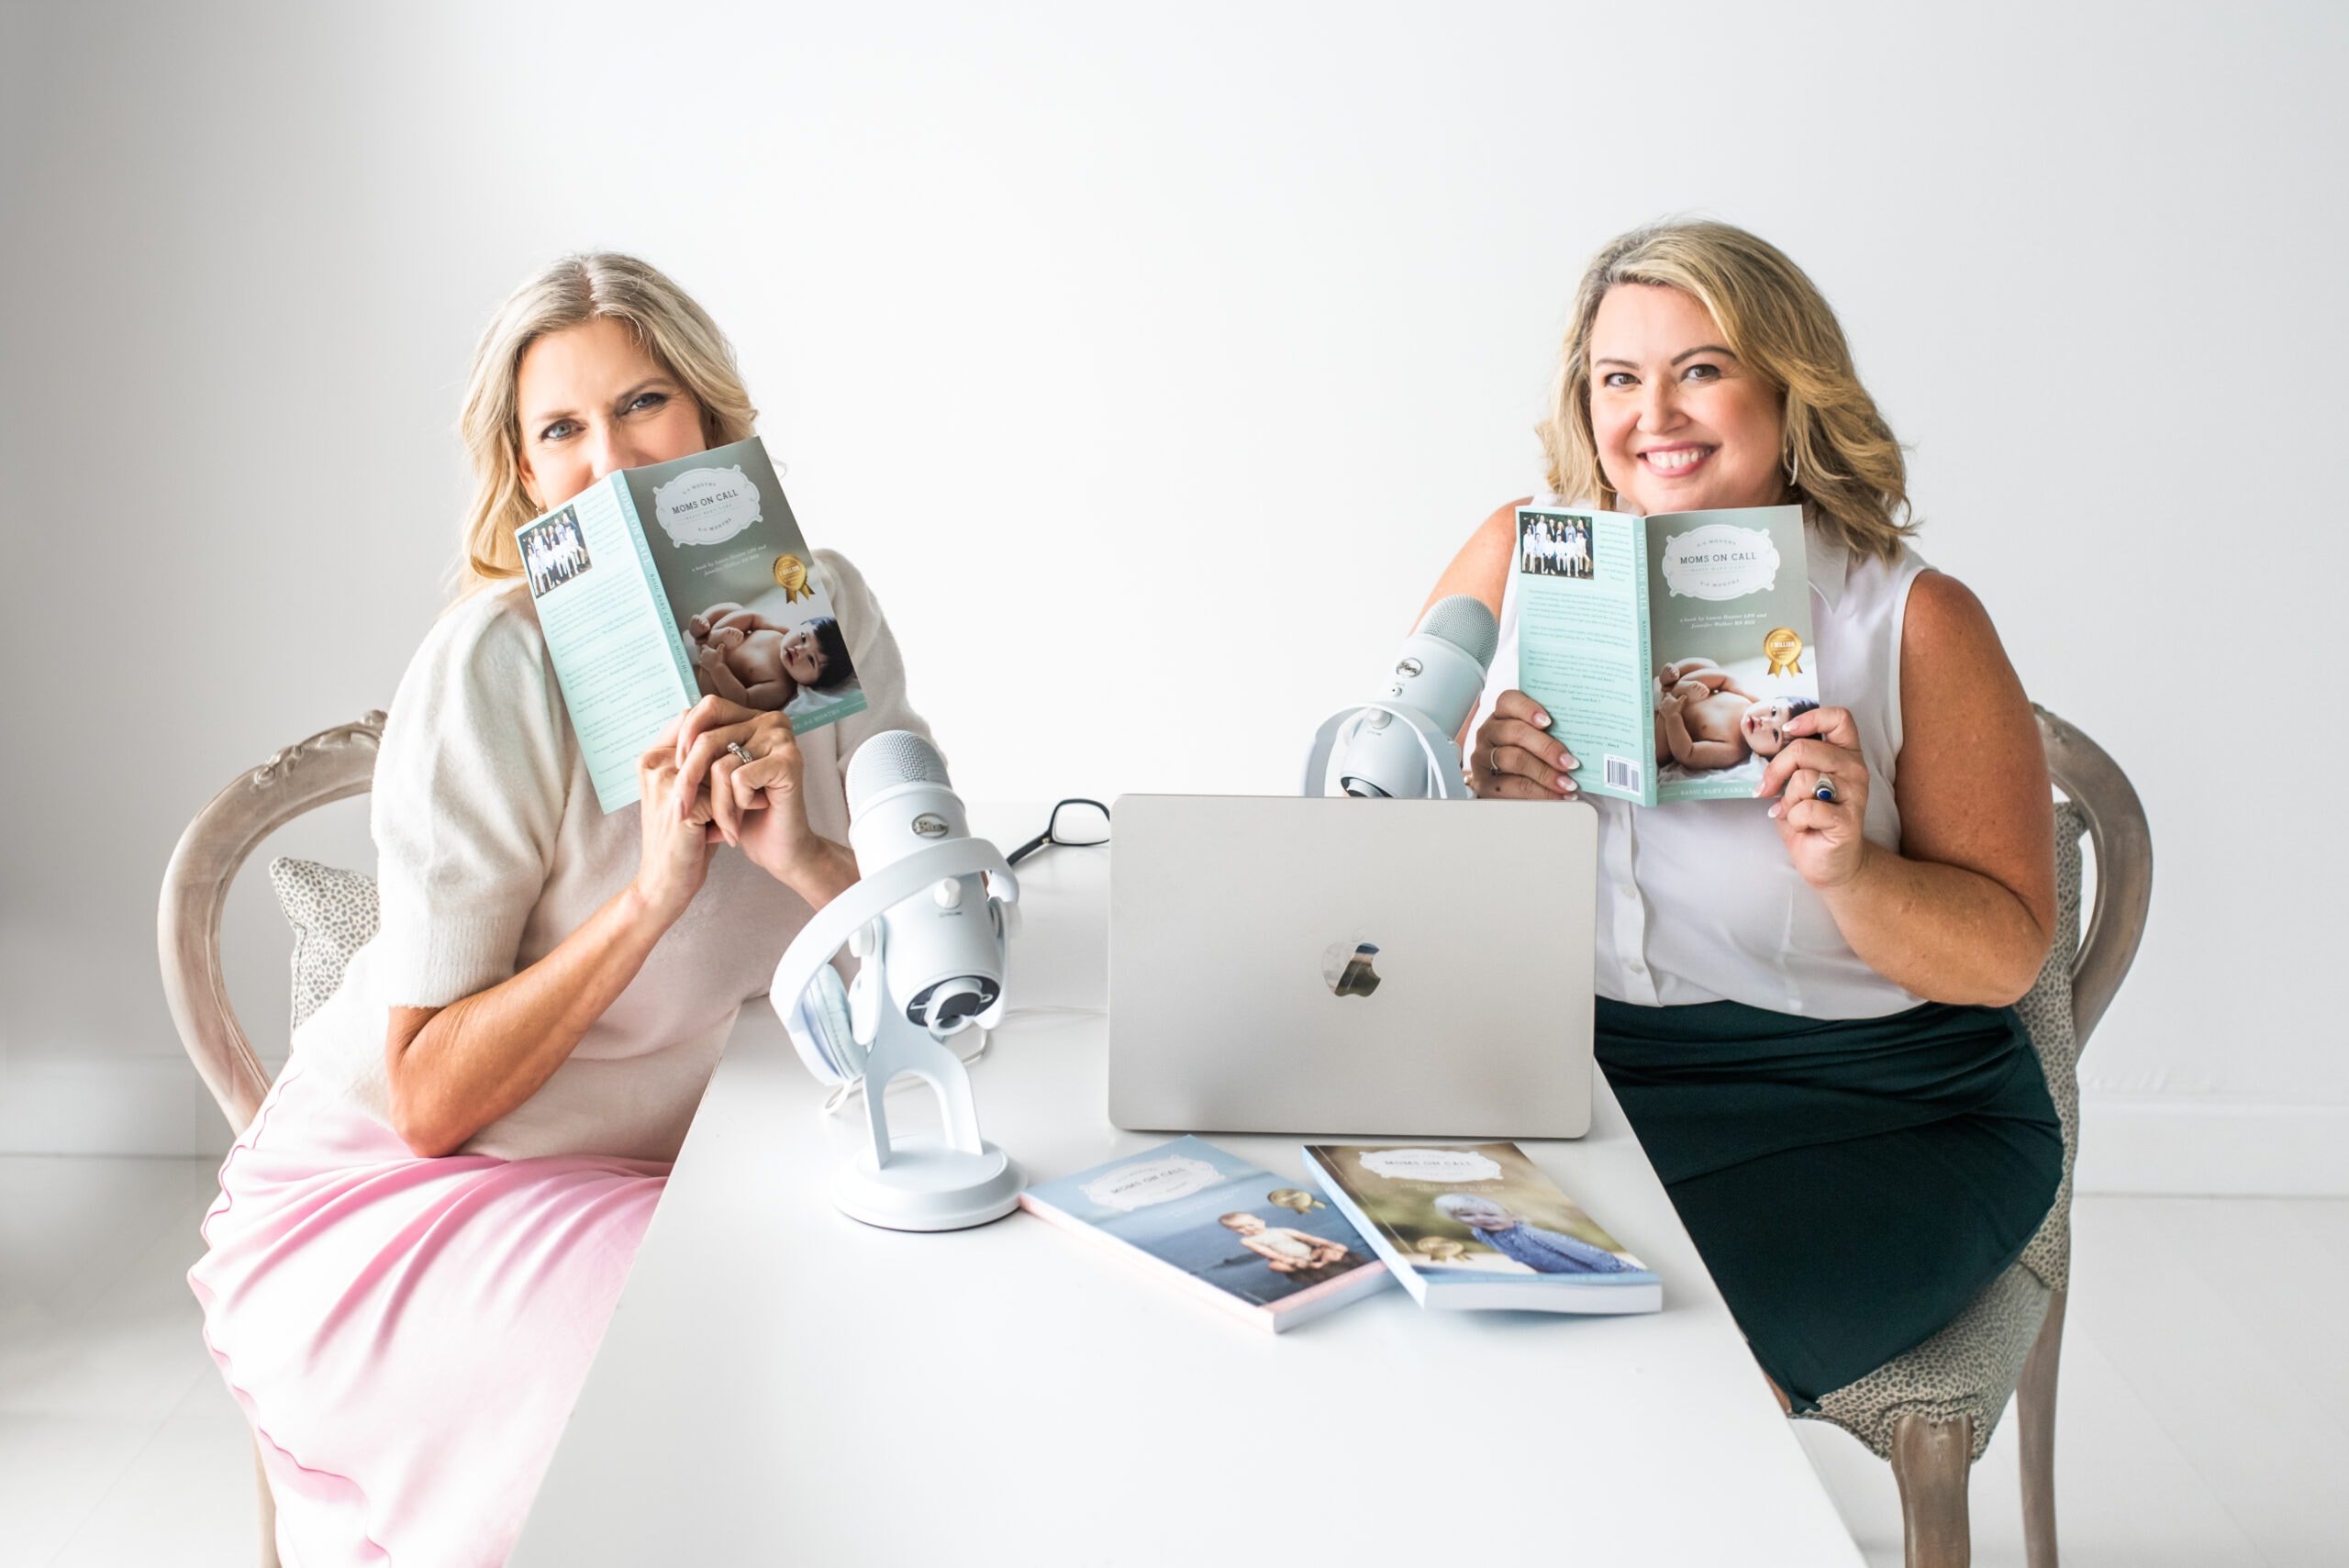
(676,332)
(1840,457)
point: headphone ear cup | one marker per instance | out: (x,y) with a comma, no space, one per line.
(821,1031)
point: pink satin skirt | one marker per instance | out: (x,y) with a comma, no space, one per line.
(408,1336)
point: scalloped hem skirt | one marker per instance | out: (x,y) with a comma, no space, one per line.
(1852,1183)
(408,1336)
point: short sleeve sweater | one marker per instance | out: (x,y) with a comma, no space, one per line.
(492,848)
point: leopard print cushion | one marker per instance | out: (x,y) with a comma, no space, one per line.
(333,914)
(1970,1367)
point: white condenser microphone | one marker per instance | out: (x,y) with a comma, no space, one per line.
(1403,747)
(945,945)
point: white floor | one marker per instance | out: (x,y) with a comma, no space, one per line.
(2204,1416)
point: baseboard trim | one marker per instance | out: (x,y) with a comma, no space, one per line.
(2213,1149)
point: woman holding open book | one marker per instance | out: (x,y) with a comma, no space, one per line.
(420,1238)
(1805,1006)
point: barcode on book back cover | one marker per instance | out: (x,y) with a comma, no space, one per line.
(1623,774)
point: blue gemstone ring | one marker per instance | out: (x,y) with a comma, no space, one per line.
(1825,792)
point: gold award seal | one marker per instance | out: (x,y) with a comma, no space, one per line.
(791,576)
(1783,647)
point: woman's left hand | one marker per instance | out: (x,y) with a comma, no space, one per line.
(1822,833)
(757,805)
(711,727)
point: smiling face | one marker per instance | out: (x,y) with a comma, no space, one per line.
(593,401)
(1246,1224)
(1680,422)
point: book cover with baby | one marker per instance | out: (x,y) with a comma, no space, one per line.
(1252,1242)
(659,585)
(1479,1225)
(1669,651)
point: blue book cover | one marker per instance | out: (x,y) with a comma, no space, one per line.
(656,587)
(1269,1248)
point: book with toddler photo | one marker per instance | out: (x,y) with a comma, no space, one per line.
(1671,650)
(1255,1244)
(659,585)
(1478,1226)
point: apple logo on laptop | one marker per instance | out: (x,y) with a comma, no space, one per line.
(1349,968)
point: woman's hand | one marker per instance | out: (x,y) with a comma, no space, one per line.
(677,846)
(762,806)
(1513,760)
(1822,837)
(702,737)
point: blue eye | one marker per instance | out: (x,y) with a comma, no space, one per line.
(555,431)
(1711,372)
(650,400)
(1616,379)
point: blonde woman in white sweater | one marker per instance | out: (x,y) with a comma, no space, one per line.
(420,1238)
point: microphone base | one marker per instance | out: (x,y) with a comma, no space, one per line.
(929,1184)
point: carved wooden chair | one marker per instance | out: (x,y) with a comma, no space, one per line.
(1931,1412)
(330,766)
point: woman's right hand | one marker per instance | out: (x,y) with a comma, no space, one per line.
(677,849)
(1513,758)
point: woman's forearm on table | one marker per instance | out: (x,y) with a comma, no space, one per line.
(478,1058)
(1942,932)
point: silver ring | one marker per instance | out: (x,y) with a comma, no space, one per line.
(1825,792)
(742,753)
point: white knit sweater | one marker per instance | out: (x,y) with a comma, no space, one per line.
(492,848)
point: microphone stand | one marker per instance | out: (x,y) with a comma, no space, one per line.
(1445,778)
(918,1182)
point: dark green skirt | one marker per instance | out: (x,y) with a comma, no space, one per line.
(1851,1182)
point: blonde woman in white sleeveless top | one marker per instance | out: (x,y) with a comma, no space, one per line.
(1805,998)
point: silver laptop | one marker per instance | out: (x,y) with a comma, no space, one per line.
(1387,968)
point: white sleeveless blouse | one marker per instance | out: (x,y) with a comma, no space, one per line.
(1698,901)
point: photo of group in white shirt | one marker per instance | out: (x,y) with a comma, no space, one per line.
(554,553)
(1553,547)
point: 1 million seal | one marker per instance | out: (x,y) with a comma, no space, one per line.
(1783,646)
(791,576)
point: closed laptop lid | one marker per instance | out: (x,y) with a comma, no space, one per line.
(1386,968)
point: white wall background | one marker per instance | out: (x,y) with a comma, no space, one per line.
(1087,330)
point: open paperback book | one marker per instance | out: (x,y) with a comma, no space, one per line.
(1669,651)
(1244,1239)
(1479,1225)
(658,585)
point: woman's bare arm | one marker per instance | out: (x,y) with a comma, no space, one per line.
(454,1070)
(1966,911)
(1481,569)
(1511,755)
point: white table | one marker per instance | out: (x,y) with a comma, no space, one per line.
(781,1385)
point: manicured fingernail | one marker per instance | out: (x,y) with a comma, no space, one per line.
(1571,761)
(1541,720)
(1775,806)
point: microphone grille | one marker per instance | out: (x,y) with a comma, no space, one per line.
(1462,621)
(891,758)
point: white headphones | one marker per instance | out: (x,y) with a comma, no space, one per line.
(832,1025)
